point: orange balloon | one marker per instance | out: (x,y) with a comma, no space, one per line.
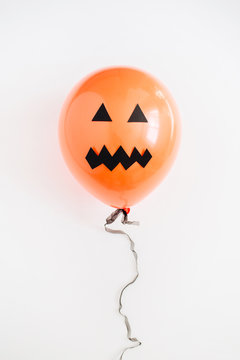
(119,132)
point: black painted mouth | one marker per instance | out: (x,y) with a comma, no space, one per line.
(120,156)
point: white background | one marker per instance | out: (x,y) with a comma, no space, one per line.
(60,273)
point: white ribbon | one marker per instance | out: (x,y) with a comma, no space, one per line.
(124,221)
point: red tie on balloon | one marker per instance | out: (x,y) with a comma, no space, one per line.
(119,134)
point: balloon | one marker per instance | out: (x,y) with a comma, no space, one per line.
(119,133)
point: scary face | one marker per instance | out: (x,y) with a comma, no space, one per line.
(119,133)
(120,156)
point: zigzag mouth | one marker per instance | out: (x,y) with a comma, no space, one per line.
(120,156)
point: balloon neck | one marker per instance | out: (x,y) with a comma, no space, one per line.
(127,210)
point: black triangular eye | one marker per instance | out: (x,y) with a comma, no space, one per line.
(102,114)
(137,115)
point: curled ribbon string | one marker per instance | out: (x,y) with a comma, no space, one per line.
(124,221)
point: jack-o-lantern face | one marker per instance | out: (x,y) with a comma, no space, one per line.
(120,155)
(119,132)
